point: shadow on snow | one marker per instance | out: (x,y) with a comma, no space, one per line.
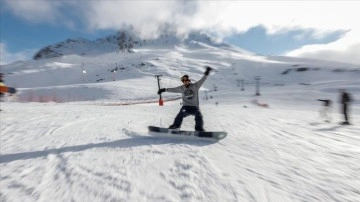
(123,143)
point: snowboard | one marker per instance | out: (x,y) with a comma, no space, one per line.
(5,89)
(218,135)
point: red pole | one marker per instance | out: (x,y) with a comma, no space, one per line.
(161,101)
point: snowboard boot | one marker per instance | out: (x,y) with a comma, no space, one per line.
(200,129)
(174,127)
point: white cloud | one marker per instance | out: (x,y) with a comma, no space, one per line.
(218,17)
(343,50)
(43,11)
(7,57)
(223,16)
(147,18)
(35,11)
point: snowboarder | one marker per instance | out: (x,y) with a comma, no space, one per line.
(324,112)
(5,89)
(1,84)
(345,99)
(190,97)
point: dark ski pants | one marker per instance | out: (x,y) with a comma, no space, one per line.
(345,112)
(186,111)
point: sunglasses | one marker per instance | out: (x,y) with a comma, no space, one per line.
(184,80)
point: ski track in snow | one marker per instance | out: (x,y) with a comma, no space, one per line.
(87,153)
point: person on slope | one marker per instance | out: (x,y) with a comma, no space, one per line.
(324,112)
(345,100)
(5,89)
(2,85)
(190,97)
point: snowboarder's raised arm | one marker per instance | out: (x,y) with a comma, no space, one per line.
(174,90)
(171,90)
(199,83)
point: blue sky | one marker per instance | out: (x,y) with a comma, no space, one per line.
(19,34)
(256,40)
(268,28)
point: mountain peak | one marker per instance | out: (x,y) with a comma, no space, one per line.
(121,41)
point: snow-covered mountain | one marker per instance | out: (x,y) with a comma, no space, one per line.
(70,68)
(77,128)
(122,41)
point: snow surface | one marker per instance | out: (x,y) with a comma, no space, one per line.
(90,142)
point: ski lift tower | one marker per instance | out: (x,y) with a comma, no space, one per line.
(240,83)
(83,72)
(257,80)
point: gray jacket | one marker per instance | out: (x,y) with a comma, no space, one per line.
(190,95)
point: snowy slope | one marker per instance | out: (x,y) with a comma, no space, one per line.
(116,76)
(91,145)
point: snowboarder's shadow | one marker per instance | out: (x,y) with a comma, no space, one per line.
(130,142)
(332,128)
(315,123)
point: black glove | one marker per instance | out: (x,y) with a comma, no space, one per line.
(161,90)
(208,69)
